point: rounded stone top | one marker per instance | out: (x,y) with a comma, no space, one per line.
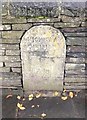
(44,40)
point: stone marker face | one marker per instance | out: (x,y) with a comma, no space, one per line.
(43,52)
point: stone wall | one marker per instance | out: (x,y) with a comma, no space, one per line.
(71,22)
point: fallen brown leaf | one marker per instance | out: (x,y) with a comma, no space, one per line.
(30,97)
(64,97)
(18,97)
(71,95)
(20,106)
(38,105)
(55,94)
(23,99)
(33,106)
(43,115)
(8,96)
(38,95)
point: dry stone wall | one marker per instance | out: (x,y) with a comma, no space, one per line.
(71,22)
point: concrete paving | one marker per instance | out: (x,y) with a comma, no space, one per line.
(53,107)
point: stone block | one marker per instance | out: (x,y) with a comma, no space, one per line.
(75,41)
(13,20)
(4,69)
(12,34)
(9,58)
(2,52)
(21,26)
(67,12)
(8,41)
(67,24)
(43,20)
(44,23)
(5,27)
(13,64)
(13,52)
(84,24)
(76,29)
(10,46)
(1,64)
(75,60)
(75,34)
(70,19)
(17,70)
(71,66)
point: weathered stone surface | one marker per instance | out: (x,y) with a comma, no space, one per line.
(43,52)
(5,27)
(11,83)
(67,24)
(17,70)
(48,9)
(13,20)
(8,41)
(21,26)
(75,80)
(43,23)
(76,55)
(2,52)
(84,24)
(74,66)
(69,19)
(12,34)
(1,64)
(75,72)
(43,20)
(10,46)
(4,69)
(75,87)
(10,79)
(75,60)
(75,84)
(75,40)
(13,64)
(76,29)
(9,58)
(13,52)
(76,34)
(72,19)
(67,12)
(76,49)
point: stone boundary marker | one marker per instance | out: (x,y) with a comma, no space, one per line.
(72,24)
(43,52)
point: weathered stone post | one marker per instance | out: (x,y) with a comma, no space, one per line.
(43,52)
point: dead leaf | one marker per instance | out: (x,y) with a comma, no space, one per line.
(8,96)
(38,95)
(43,115)
(31,97)
(64,90)
(55,93)
(18,97)
(76,95)
(38,105)
(71,95)
(23,99)
(20,106)
(33,106)
(64,97)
